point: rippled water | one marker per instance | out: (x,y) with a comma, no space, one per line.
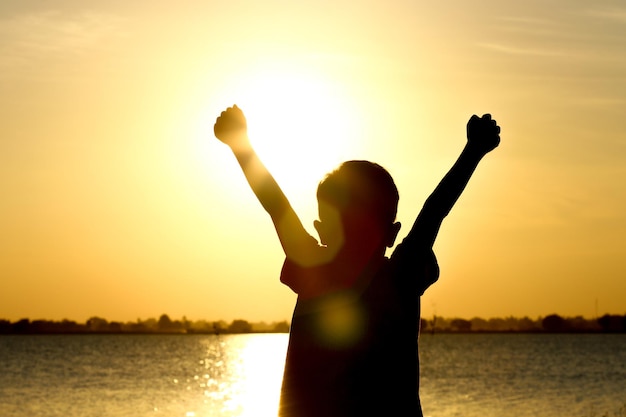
(240,375)
(140,375)
(523,375)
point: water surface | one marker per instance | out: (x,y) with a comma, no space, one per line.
(504,375)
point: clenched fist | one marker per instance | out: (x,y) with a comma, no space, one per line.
(483,133)
(231,126)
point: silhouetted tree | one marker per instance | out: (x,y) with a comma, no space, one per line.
(551,323)
(138,327)
(579,324)
(21,326)
(239,326)
(5,326)
(220,327)
(281,327)
(115,327)
(165,323)
(97,324)
(612,324)
(185,324)
(525,324)
(554,323)
(41,326)
(200,326)
(461,325)
(498,324)
(479,324)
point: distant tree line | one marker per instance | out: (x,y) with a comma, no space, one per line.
(157,326)
(552,323)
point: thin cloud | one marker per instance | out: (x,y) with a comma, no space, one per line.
(512,50)
(605,102)
(613,14)
(530,26)
(26,40)
(574,35)
(533,36)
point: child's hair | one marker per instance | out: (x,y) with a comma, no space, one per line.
(361,185)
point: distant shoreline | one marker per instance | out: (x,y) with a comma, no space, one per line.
(437,325)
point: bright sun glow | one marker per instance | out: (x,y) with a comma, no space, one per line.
(300,124)
(260,372)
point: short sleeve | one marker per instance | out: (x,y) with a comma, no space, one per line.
(308,282)
(324,278)
(414,267)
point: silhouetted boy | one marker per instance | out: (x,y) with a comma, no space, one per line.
(354,332)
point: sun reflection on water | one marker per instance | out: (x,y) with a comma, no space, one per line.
(239,375)
(258,376)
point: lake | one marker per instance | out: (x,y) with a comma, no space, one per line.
(468,375)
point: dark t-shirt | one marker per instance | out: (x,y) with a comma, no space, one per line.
(353,349)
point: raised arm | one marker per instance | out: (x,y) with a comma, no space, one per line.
(483,135)
(231,128)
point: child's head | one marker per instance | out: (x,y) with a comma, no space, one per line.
(358,200)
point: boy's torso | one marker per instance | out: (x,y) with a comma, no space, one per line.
(354,351)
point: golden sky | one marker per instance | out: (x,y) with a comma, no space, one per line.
(117,201)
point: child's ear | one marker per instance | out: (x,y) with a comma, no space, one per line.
(393,233)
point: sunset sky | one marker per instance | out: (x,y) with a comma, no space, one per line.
(117,201)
